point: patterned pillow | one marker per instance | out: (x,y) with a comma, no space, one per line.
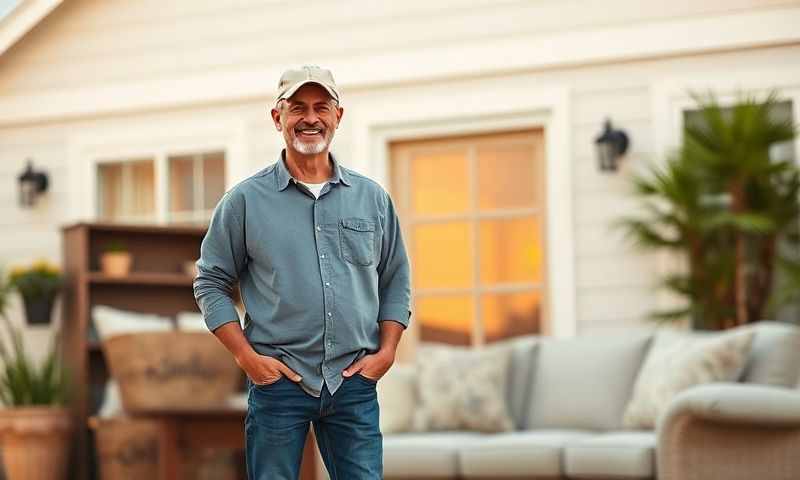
(462,388)
(677,362)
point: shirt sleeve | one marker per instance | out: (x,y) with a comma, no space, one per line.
(393,270)
(223,256)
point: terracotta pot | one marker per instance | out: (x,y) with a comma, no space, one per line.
(35,442)
(116,264)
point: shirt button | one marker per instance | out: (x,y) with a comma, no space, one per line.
(329,314)
(319,228)
(327,284)
(322,256)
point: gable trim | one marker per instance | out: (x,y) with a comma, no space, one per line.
(22,19)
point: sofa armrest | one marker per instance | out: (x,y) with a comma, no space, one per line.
(738,403)
(731,431)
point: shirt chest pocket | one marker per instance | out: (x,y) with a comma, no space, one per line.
(357,238)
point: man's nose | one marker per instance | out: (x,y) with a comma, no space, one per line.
(310,117)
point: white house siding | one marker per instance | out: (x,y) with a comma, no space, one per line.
(86,46)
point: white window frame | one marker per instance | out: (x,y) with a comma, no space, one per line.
(671,98)
(499,108)
(129,140)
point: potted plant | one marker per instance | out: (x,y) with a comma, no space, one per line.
(35,425)
(38,285)
(115,260)
(724,205)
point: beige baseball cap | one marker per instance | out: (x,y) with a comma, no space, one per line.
(293,79)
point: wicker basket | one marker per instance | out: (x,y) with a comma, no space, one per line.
(127,448)
(171,370)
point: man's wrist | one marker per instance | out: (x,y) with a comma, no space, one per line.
(245,355)
(388,351)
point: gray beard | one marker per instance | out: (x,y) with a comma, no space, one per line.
(309,148)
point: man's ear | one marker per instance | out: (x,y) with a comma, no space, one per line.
(339,115)
(276,118)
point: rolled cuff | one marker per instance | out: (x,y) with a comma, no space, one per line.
(398,312)
(221,316)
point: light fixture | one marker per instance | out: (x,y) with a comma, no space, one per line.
(611,144)
(31,184)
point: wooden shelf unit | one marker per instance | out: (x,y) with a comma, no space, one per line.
(156,284)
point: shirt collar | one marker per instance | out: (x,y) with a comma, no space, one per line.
(283,176)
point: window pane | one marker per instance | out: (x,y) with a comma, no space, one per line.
(109,190)
(181,183)
(126,189)
(442,255)
(507,315)
(507,177)
(143,188)
(213,179)
(510,250)
(445,318)
(439,182)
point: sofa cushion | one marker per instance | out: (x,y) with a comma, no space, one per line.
(518,386)
(584,382)
(397,398)
(430,454)
(612,455)
(462,388)
(678,361)
(526,454)
(775,356)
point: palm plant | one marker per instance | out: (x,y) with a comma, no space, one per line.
(722,203)
(21,382)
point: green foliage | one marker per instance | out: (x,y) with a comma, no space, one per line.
(724,205)
(21,382)
(115,246)
(39,281)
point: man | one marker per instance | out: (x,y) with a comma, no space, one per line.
(324,277)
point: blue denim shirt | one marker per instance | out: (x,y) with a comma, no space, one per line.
(316,275)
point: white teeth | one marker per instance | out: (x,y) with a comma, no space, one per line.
(310,131)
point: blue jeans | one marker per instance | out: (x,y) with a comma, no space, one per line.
(345,425)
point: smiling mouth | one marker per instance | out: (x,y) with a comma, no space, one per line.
(309,132)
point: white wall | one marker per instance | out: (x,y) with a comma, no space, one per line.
(86,45)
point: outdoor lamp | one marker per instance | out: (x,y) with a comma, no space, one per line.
(31,184)
(611,144)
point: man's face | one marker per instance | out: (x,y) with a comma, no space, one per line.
(308,119)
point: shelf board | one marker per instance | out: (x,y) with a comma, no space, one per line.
(141,228)
(142,278)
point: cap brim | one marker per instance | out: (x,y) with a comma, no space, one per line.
(291,91)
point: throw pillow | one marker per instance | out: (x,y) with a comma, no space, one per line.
(462,388)
(110,321)
(397,398)
(677,362)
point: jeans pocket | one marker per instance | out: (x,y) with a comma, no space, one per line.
(366,379)
(267,385)
(357,239)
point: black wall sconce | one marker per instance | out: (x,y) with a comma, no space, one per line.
(31,185)
(611,145)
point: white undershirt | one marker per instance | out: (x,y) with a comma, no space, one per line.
(315,188)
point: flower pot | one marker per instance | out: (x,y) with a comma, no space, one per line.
(35,442)
(116,264)
(38,310)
